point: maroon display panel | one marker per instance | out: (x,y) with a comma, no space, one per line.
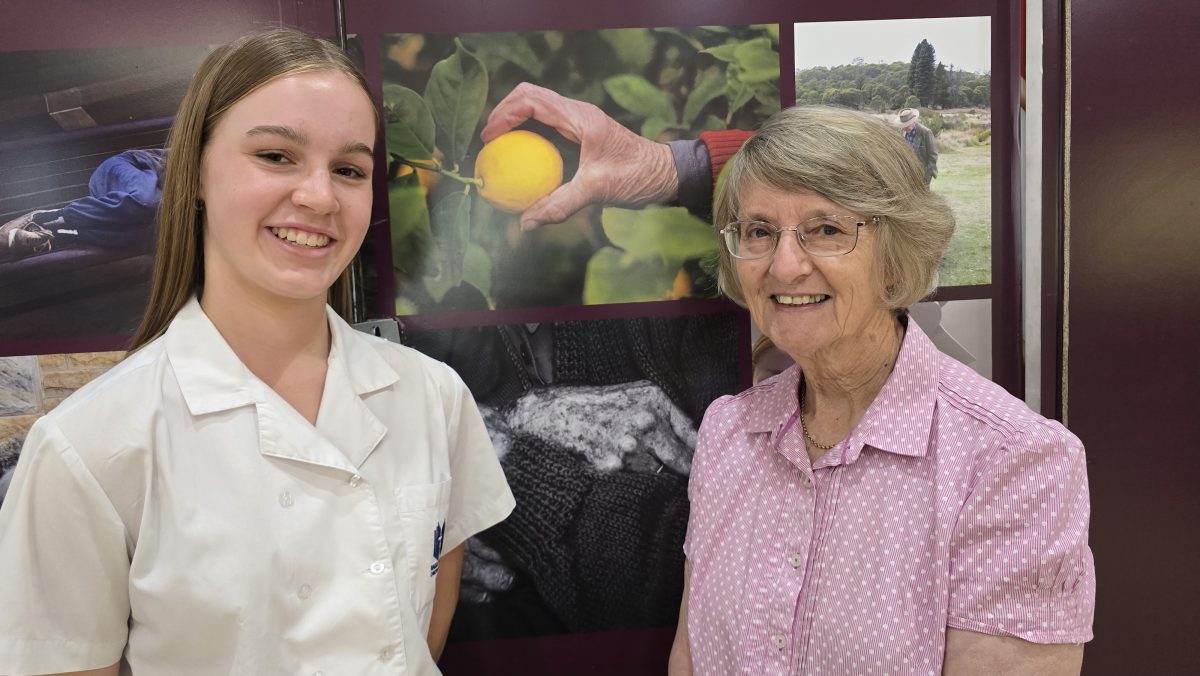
(1133,314)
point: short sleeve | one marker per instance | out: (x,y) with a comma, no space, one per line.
(1020,563)
(480,497)
(64,587)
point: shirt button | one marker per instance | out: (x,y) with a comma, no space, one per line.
(378,567)
(354,480)
(387,654)
(807,481)
(779,641)
(285,499)
(795,560)
(304,592)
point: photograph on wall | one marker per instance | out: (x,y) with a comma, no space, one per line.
(931,80)
(595,424)
(82,135)
(570,201)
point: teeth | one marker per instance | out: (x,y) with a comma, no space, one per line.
(800,300)
(308,239)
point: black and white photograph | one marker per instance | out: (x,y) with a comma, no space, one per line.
(594,423)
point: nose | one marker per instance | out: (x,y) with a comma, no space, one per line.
(316,192)
(790,261)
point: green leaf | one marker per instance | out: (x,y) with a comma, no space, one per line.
(713,123)
(409,223)
(635,94)
(739,94)
(710,84)
(451,219)
(436,286)
(654,126)
(725,52)
(757,61)
(634,46)
(477,270)
(614,276)
(767,93)
(667,234)
(409,124)
(586,90)
(457,92)
(496,49)
(772,30)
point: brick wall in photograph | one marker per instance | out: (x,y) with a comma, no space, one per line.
(31,386)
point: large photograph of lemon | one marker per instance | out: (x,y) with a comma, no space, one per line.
(532,170)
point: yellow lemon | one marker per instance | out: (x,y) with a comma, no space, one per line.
(517,169)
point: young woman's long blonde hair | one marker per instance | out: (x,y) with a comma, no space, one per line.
(226,76)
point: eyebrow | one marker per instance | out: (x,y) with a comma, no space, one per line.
(353,147)
(756,216)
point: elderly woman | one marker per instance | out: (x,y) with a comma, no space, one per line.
(878,507)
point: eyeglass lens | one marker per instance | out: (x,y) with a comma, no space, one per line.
(823,236)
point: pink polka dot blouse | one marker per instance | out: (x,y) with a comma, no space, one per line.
(951,504)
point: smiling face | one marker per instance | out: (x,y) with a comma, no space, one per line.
(807,303)
(286,185)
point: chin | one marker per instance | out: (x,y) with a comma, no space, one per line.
(301,292)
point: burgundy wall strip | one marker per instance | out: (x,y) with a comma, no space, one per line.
(1134,312)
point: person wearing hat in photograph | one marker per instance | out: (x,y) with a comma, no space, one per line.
(920,138)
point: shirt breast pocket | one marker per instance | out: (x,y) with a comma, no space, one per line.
(422,511)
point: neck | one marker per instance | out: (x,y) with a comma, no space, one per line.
(843,379)
(270,335)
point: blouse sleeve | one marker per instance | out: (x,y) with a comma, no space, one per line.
(480,497)
(1020,563)
(63,552)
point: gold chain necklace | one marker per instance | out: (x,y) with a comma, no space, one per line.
(804,427)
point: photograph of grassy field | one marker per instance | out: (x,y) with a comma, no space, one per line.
(940,67)
(965,180)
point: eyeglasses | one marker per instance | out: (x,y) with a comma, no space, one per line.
(820,236)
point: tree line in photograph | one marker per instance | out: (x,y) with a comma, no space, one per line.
(881,87)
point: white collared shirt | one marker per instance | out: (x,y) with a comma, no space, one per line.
(178,512)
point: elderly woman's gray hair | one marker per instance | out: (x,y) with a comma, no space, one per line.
(861,163)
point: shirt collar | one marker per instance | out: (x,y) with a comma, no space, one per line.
(898,421)
(366,369)
(212,378)
(210,375)
(774,401)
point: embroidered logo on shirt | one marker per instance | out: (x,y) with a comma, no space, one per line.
(438,533)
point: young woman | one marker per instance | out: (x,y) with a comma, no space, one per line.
(257,488)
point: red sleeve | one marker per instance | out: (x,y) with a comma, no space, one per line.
(721,146)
